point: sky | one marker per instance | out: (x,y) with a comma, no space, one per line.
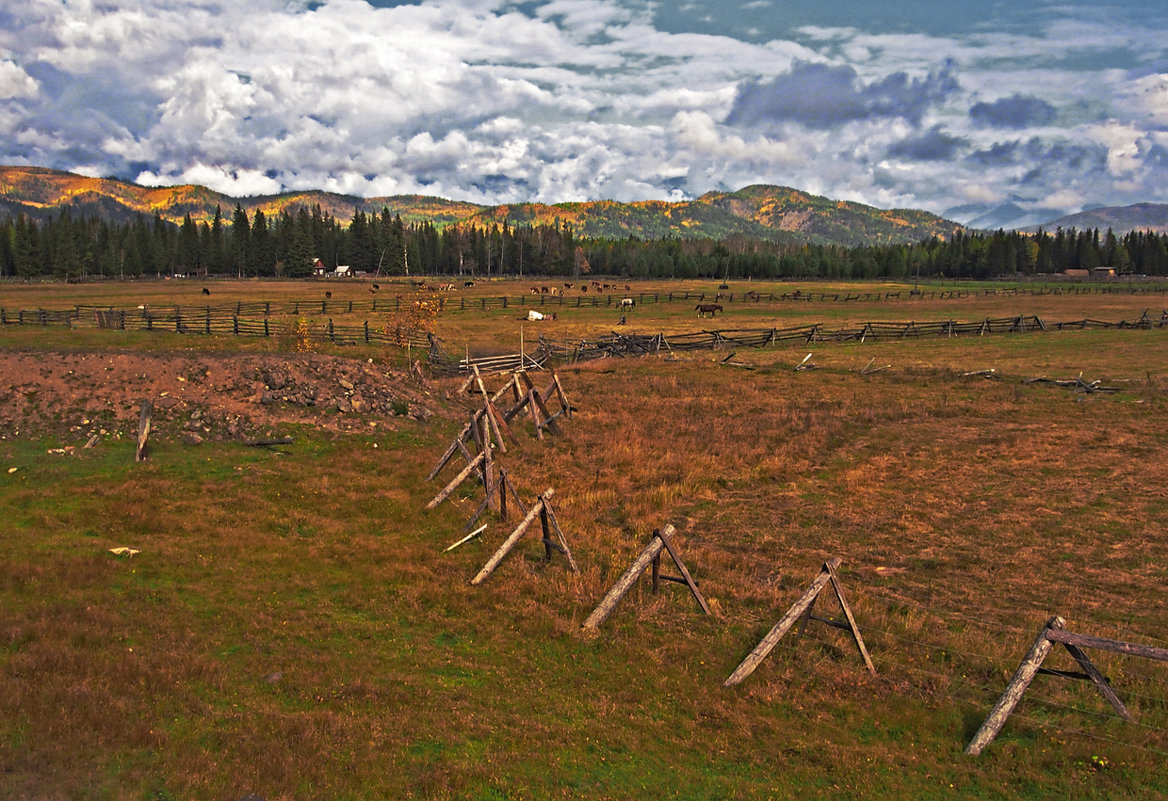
(1001,112)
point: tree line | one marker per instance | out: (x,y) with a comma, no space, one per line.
(289,243)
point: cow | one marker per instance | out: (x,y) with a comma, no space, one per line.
(328,295)
(206,291)
(710,309)
(377,286)
(535,317)
(468,283)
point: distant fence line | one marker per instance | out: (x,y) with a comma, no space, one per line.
(83,315)
(211,321)
(621,345)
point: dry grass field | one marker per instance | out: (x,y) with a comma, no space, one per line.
(293,628)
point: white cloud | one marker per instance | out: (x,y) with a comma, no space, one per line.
(16,83)
(221,179)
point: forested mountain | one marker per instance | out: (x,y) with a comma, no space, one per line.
(776,214)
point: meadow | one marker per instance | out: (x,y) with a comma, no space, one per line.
(293,627)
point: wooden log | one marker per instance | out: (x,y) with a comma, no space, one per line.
(1116,646)
(143,430)
(267,443)
(454,482)
(627,580)
(1014,690)
(510,542)
(548,417)
(767,644)
(454,446)
(488,466)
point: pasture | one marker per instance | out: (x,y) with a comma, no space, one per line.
(293,628)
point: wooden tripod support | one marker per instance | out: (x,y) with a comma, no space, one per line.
(543,510)
(1055,632)
(802,611)
(650,557)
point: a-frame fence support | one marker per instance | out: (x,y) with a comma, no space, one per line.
(650,557)
(802,611)
(1055,632)
(541,509)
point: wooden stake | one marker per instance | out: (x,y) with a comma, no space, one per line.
(467,538)
(560,535)
(143,430)
(852,627)
(693,588)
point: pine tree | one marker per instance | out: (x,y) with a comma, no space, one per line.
(240,241)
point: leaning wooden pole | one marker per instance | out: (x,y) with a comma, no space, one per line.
(627,580)
(143,430)
(768,643)
(1014,690)
(454,482)
(853,629)
(518,533)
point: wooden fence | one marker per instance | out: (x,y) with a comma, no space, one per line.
(620,345)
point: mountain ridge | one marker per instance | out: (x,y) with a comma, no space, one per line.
(761,211)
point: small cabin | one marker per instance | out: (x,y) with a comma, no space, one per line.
(343,271)
(318,268)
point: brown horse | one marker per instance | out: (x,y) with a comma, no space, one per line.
(708,309)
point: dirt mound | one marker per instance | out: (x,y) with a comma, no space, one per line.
(196,396)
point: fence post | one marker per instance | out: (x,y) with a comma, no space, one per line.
(366,332)
(267,331)
(332,332)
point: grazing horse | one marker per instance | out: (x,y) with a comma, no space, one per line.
(328,295)
(627,303)
(206,291)
(708,309)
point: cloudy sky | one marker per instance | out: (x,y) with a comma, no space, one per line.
(1033,108)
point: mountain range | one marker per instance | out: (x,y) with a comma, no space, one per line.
(766,212)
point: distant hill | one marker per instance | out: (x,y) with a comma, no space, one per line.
(1120,219)
(764,212)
